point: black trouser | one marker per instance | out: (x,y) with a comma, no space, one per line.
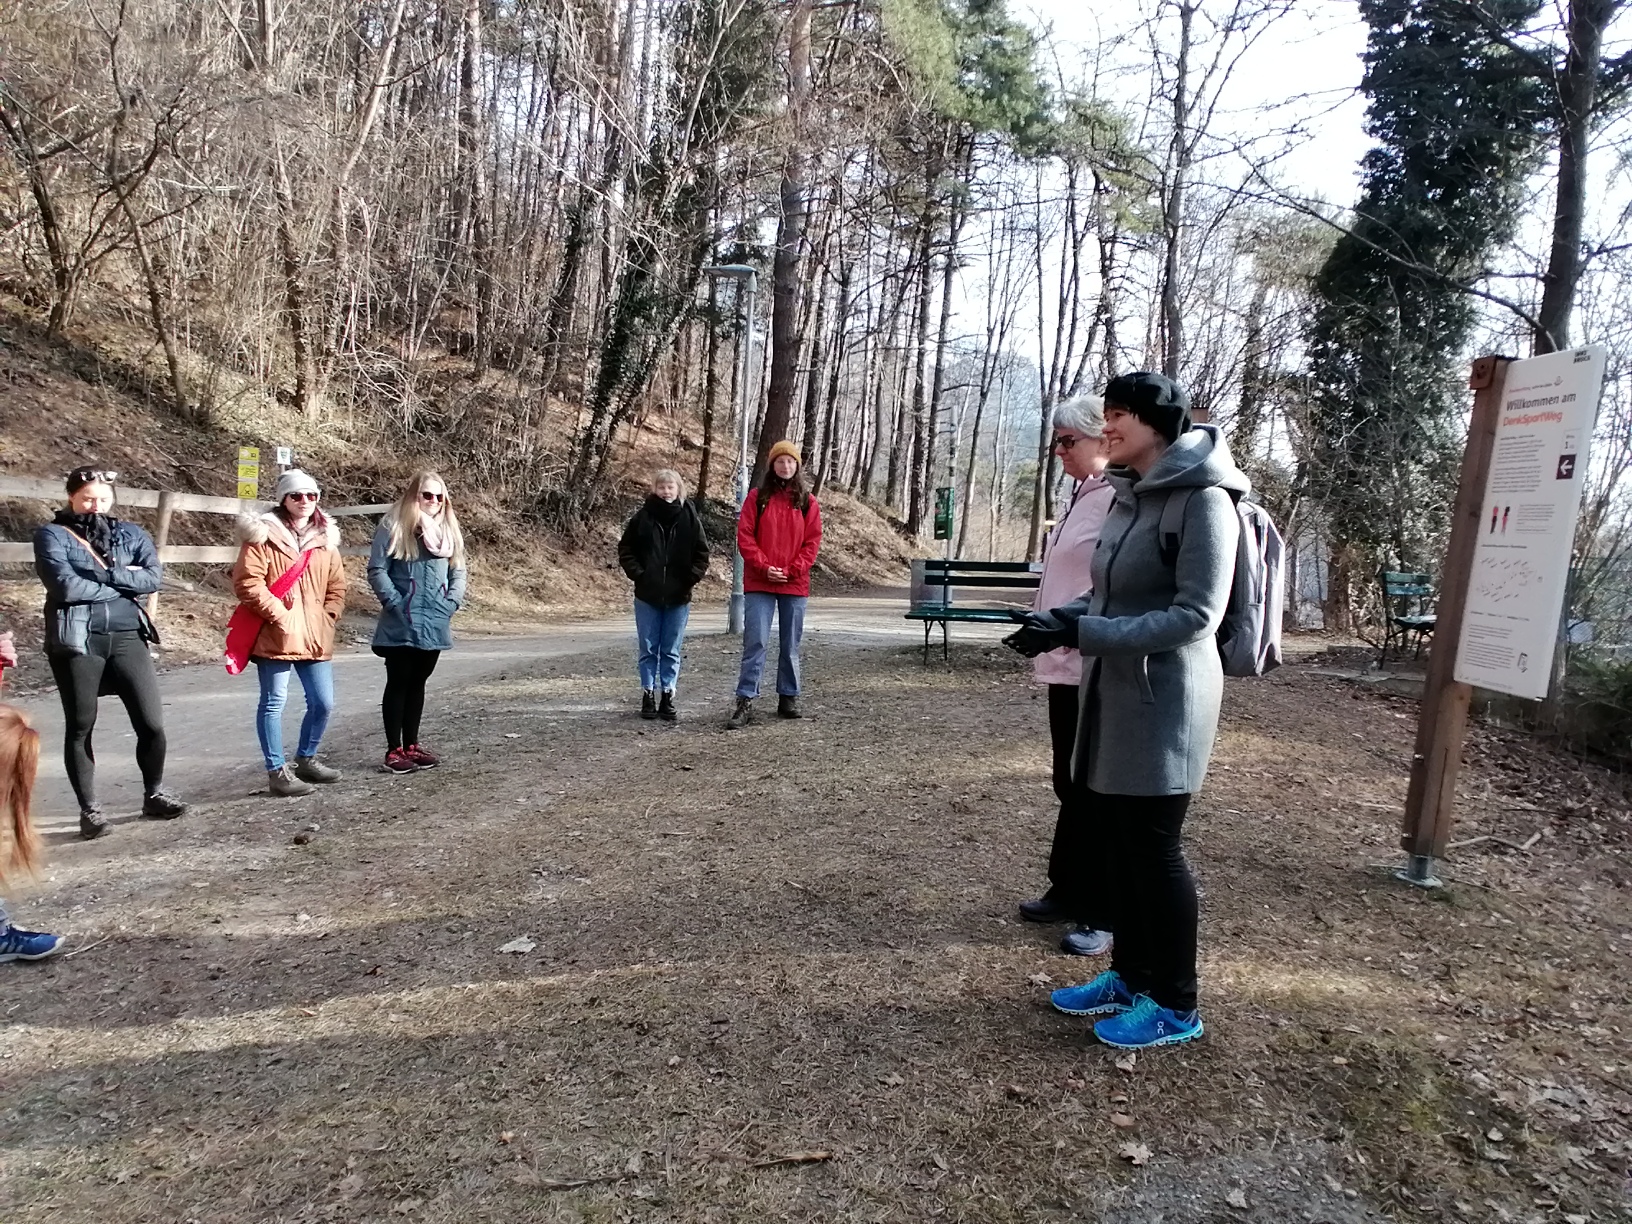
(1153,896)
(406,671)
(1076,874)
(116,663)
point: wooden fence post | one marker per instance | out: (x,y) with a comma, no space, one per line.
(1430,803)
(161,537)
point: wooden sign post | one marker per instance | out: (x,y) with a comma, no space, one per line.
(1431,801)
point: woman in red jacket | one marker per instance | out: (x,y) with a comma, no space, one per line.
(778,533)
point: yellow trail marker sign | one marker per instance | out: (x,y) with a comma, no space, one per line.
(249,472)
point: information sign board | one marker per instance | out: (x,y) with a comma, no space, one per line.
(249,472)
(1521,564)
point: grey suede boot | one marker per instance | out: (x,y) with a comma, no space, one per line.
(310,769)
(282,781)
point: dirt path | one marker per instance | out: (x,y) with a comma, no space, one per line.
(774,975)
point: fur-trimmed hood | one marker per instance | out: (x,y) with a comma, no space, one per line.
(269,528)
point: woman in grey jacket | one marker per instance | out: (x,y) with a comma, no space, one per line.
(98,571)
(417,568)
(1151,687)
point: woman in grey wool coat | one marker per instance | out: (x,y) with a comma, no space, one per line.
(1151,686)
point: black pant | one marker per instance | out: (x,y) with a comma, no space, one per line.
(1153,894)
(112,663)
(1076,874)
(406,671)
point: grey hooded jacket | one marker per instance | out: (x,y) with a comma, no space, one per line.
(1152,681)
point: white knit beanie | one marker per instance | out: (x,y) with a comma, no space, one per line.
(294,481)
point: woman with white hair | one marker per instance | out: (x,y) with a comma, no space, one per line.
(417,569)
(665,554)
(1075,893)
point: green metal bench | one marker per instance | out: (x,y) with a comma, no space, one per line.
(934,578)
(1407,600)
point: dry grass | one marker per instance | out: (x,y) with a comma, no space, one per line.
(799,938)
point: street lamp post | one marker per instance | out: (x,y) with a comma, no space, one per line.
(747,288)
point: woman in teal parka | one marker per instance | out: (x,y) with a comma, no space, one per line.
(417,568)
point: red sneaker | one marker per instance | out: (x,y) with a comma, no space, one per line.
(398,761)
(421,758)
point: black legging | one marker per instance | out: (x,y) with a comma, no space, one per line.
(406,671)
(1076,864)
(116,663)
(1154,896)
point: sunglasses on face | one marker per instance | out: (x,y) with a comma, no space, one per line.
(303,496)
(1065,443)
(432,497)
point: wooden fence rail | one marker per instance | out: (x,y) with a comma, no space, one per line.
(167,503)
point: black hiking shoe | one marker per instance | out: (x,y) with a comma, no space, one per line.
(665,708)
(648,703)
(1046,908)
(742,715)
(788,707)
(92,823)
(162,806)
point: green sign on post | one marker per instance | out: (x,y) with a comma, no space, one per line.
(943,512)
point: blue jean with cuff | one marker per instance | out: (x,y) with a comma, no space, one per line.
(317,681)
(659,631)
(757,609)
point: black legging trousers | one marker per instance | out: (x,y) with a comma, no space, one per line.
(1076,863)
(1153,896)
(117,663)
(406,671)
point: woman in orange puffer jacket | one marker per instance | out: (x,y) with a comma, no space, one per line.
(779,533)
(298,634)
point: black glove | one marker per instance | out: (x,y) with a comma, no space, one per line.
(1040,632)
(1030,642)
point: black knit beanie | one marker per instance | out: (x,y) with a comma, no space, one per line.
(1155,399)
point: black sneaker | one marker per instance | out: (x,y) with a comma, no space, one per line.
(742,715)
(1046,908)
(162,806)
(788,707)
(92,823)
(665,708)
(648,704)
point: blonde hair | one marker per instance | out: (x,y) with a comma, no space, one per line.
(671,474)
(19,761)
(403,520)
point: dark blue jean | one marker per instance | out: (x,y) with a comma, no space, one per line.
(757,609)
(659,631)
(317,679)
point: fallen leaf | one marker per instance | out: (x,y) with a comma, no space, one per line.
(674,1060)
(512,735)
(633,1167)
(1040,979)
(940,1163)
(1121,1119)
(1340,1061)
(407,1206)
(1575,1219)
(1494,1135)
(1237,1198)
(1119,1098)
(518,945)
(892,1080)
(1127,1062)
(350,1186)
(506,1136)
(1136,1153)
(125,1175)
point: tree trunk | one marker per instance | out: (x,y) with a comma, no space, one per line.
(790,230)
(829,464)
(1576,90)
(711,389)
(1173,207)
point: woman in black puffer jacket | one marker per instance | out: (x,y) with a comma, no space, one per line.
(665,553)
(97,572)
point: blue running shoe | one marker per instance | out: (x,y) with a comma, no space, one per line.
(1148,1024)
(18,944)
(1103,996)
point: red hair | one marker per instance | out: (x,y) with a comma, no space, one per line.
(19,761)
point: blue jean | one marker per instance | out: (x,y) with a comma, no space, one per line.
(317,679)
(757,609)
(659,631)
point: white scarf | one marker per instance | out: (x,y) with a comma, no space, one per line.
(435,539)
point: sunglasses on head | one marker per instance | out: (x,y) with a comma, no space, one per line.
(87,476)
(302,496)
(425,495)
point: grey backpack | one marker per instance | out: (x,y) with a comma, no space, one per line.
(1249,639)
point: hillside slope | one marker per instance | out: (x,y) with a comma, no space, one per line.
(73,402)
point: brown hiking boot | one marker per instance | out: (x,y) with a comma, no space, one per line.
(283,782)
(788,707)
(742,715)
(310,769)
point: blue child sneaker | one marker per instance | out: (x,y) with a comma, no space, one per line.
(18,944)
(1148,1024)
(1106,994)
